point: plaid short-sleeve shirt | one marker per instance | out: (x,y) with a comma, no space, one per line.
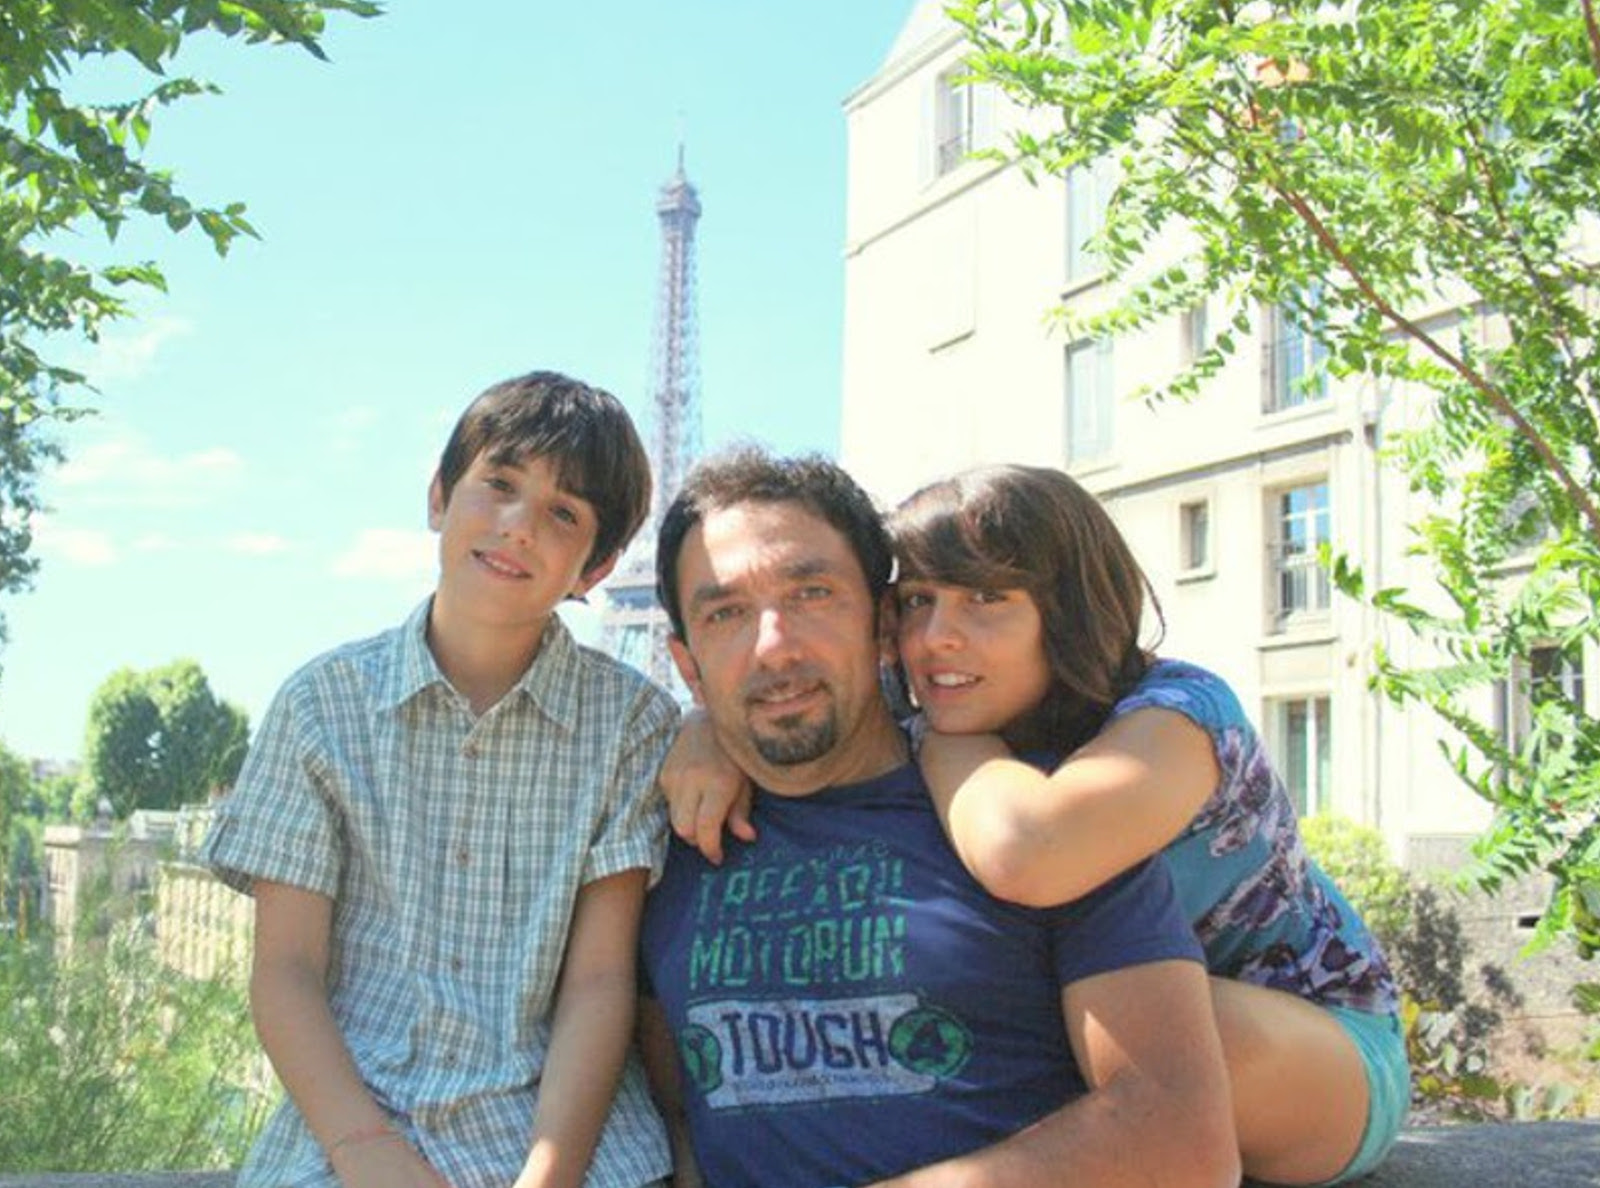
(453,848)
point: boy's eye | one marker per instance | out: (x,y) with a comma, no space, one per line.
(565,514)
(914,599)
(987,596)
(496,483)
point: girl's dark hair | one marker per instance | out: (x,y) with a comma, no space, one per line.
(1035,529)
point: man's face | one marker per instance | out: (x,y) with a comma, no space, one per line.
(782,647)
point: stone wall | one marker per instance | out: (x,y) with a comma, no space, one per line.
(1526,1155)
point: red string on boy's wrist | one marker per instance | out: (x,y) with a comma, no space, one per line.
(363,1135)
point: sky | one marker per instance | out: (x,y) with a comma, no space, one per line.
(465,192)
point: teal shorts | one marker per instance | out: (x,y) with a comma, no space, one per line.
(1383,1051)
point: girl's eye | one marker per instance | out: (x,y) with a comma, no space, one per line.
(988,596)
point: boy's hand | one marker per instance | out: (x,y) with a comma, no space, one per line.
(392,1163)
(704,789)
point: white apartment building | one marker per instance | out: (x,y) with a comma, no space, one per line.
(951,266)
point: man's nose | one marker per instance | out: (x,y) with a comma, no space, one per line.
(775,635)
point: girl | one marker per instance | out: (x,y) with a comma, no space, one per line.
(1020,607)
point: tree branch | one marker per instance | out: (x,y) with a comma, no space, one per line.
(1496,398)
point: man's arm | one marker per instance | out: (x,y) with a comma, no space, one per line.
(289,1003)
(660,1056)
(1158,1109)
(589,1035)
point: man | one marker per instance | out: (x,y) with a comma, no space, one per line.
(839,1002)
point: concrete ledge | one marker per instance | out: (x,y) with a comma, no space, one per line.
(1520,1155)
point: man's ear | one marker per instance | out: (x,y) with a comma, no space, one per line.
(888,629)
(436,503)
(687,668)
(593,577)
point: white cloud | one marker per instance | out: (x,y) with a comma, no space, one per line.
(76,546)
(154,542)
(122,357)
(391,555)
(351,429)
(127,472)
(258,544)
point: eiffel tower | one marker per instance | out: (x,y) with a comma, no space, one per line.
(633,627)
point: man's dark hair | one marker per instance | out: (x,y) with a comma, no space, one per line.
(751,475)
(586,435)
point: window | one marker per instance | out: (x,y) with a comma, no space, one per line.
(1303,588)
(1290,359)
(1302,742)
(963,118)
(1194,536)
(1089,400)
(1089,189)
(1548,673)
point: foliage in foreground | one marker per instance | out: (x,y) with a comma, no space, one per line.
(1451,1011)
(1351,165)
(110,1062)
(69,167)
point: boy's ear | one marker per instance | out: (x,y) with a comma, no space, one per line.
(687,668)
(435,503)
(593,577)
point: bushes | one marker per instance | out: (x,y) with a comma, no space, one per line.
(1451,1013)
(111,1062)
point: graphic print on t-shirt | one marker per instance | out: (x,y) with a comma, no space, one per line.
(829,930)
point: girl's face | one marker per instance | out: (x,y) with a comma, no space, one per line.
(975,658)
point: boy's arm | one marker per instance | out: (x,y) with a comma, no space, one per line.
(660,1055)
(1042,838)
(589,1035)
(289,1004)
(1158,1109)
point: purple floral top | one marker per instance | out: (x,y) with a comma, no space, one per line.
(1264,911)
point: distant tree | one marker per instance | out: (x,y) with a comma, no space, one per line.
(160,739)
(16,784)
(68,167)
(1352,164)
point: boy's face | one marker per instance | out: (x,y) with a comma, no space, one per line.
(512,543)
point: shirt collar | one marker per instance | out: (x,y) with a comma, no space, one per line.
(551,682)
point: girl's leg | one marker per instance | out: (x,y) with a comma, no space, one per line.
(1300,1092)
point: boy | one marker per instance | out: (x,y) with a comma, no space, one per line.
(448,830)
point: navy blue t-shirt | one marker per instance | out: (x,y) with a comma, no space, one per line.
(849,1004)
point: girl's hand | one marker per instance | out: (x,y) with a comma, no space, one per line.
(705,790)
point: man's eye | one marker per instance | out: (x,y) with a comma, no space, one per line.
(813,593)
(721,614)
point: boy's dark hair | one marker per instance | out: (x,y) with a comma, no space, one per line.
(751,475)
(584,433)
(1035,529)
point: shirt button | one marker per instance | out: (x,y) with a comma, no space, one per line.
(463,856)
(455,965)
(470,750)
